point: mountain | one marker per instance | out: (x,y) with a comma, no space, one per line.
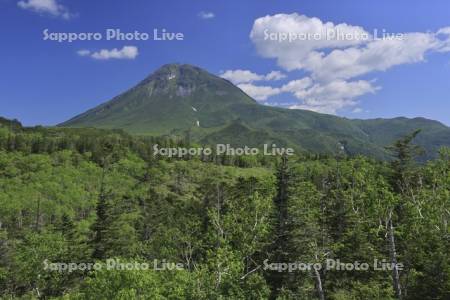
(182,98)
(174,97)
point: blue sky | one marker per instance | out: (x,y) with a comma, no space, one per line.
(46,82)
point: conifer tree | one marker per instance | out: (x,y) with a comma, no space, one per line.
(280,237)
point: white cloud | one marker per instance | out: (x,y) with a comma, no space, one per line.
(274,75)
(241,76)
(332,96)
(326,98)
(444,45)
(445,30)
(246,76)
(339,51)
(206,15)
(378,55)
(51,7)
(297,87)
(291,54)
(333,55)
(83,52)
(127,52)
(259,93)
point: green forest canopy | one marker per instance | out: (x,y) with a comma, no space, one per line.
(88,195)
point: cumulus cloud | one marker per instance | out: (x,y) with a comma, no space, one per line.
(206,15)
(127,52)
(338,51)
(240,76)
(51,7)
(320,97)
(312,34)
(297,87)
(259,93)
(378,55)
(334,55)
(246,76)
(332,96)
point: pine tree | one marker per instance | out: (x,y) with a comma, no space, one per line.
(403,168)
(404,153)
(278,250)
(103,220)
(101,225)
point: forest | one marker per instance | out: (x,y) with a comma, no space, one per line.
(93,214)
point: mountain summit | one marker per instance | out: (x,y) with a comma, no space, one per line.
(174,97)
(178,98)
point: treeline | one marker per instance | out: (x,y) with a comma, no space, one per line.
(96,142)
(86,195)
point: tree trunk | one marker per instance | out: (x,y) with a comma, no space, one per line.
(38,214)
(319,287)
(395,274)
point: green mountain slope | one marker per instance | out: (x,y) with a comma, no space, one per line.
(180,98)
(174,97)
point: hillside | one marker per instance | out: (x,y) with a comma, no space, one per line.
(177,99)
(87,196)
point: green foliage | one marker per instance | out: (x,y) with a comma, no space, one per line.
(86,196)
(182,99)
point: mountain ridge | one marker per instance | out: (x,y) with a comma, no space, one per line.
(180,98)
